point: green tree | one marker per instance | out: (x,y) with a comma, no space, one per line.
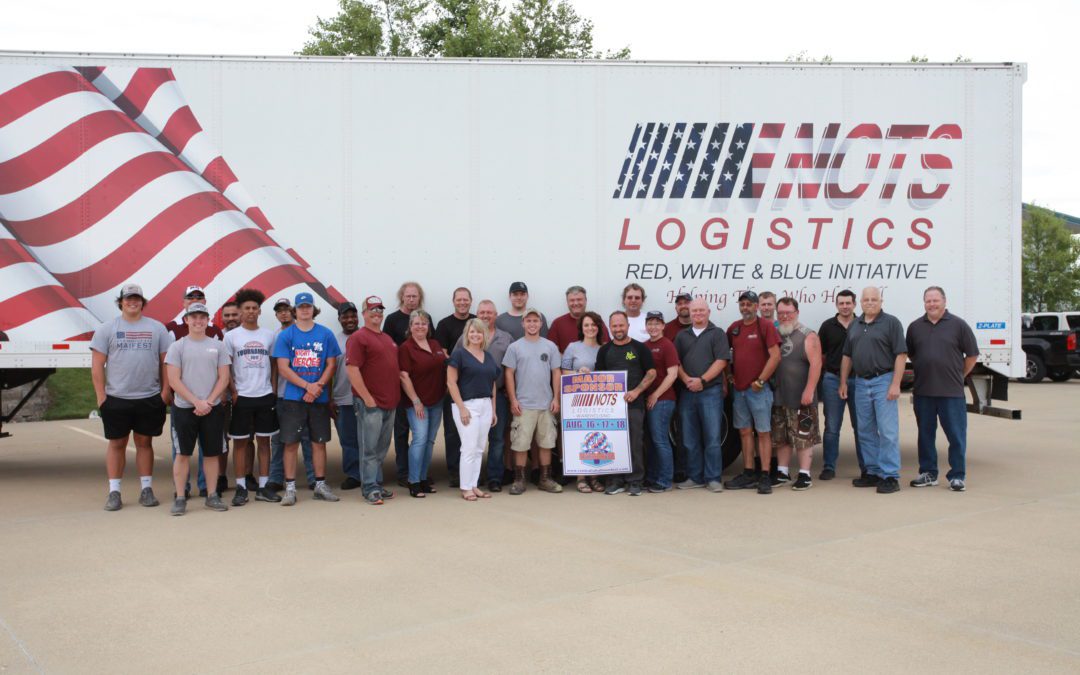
(467,28)
(1051,273)
(550,30)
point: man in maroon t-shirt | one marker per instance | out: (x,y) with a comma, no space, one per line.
(564,329)
(371,363)
(660,404)
(682,318)
(755,349)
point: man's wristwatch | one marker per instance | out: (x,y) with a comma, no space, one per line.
(760,382)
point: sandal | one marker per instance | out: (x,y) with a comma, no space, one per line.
(480,494)
(583,486)
(416,490)
(468,496)
(596,485)
(427,487)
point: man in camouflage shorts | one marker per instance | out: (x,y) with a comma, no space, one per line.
(795,406)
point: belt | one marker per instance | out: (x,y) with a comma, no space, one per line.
(870,376)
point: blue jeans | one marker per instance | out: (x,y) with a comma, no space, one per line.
(952,411)
(661,464)
(879,425)
(834,420)
(423,432)
(374,427)
(350,451)
(497,437)
(702,415)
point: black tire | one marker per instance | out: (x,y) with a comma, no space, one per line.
(1036,369)
(730,447)
(1061,375)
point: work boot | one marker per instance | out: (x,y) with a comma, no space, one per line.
(546,483)
(518,486)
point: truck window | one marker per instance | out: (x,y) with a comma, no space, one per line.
(1073,319)
(1045,322)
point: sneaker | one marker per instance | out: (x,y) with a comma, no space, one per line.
(888,486)
(715,486)
(241,496)
(350,483)
(494,486)
(924,479)
(547,484)
(179,506)
(289,499)
(659,489)
(324,493)
(616,487)
(374,498)
(779,478)
(827,474)
(764,486)
(214,503)
(689,484)
(387,493)
(957,485)
(113,502)
(265,494)
(803,482)
(867,480)
(147,498)
(744,481)
(635,489)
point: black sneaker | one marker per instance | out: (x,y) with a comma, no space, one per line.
(888,486)
(779,478)
(214,503)
(635,489)
(147,498)
(179,506)
(803,482)
(350,483)
(764,486)
(827,474)
(266,494)
(744,481)
(113,502)
(494,486)
(867,480)
(241,496)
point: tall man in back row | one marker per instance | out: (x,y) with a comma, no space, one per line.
(447,334)
(874,357)
(943,350)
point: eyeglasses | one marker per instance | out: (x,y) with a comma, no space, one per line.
(783,314)
(376,310)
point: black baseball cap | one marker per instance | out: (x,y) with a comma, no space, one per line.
(684,296)
(748,295)
(519,287)
(654,314)
(345,307)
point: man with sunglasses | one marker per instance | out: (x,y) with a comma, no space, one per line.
(794,413)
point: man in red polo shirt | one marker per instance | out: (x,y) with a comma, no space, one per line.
(682,318)
(371,363)
(564,329)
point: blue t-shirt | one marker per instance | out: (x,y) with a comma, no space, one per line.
(475,379)
(307,353)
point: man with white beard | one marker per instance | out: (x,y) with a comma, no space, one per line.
(795,412)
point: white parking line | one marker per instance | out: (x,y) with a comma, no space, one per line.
(130,447)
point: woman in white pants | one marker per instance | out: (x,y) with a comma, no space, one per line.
(470,377)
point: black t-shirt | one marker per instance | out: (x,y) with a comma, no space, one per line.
(450,329)
(633,357)
(832,334)
(396,325)
(937,354)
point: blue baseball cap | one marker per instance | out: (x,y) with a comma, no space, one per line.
(304,299)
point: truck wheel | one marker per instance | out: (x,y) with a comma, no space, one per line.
(730,446)
(1036,369)
(1061,375)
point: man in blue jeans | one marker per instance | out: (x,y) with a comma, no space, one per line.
(833,334)
(703,353)
(943,350)
(660,404)
(341,404)
(874,357)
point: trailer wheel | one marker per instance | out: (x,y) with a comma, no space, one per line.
(1036,369)
(730,445)
(1061,375)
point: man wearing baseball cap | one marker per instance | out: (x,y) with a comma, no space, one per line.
(511,320)
(132,391)
(198,369)
(660,404)
(306,354)
(371,363)
(286,316)
(682,316)
(671,331)
(341,405)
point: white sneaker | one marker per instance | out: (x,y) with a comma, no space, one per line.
(957,485)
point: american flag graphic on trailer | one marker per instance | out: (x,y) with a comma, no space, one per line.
(106,177)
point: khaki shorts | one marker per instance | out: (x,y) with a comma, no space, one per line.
(538,423)
(785,428)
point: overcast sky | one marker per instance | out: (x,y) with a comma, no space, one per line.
(1040,33)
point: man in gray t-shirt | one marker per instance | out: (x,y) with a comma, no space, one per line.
(511,321)
(126,354)
(532,378)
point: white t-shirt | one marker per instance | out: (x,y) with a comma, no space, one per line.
(637,328)
(250,352)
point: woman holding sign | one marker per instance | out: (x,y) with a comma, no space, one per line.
(470,377)
(580,357)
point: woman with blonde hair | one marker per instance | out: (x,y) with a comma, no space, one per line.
(471,378)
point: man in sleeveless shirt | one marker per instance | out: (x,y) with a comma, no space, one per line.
(795,412)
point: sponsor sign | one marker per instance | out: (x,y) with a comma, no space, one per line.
(595,431)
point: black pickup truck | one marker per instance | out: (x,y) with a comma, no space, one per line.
(1050,344)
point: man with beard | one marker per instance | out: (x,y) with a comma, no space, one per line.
(230,315)
(794,413)
(341,404)
(682,316)
(410,297)
(512,320)
(671,331)
(564,329)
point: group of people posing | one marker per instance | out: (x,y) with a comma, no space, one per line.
(492,380)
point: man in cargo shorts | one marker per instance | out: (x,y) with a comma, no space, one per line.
(131,391)
(532,379)
(795,412)
(306,353)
